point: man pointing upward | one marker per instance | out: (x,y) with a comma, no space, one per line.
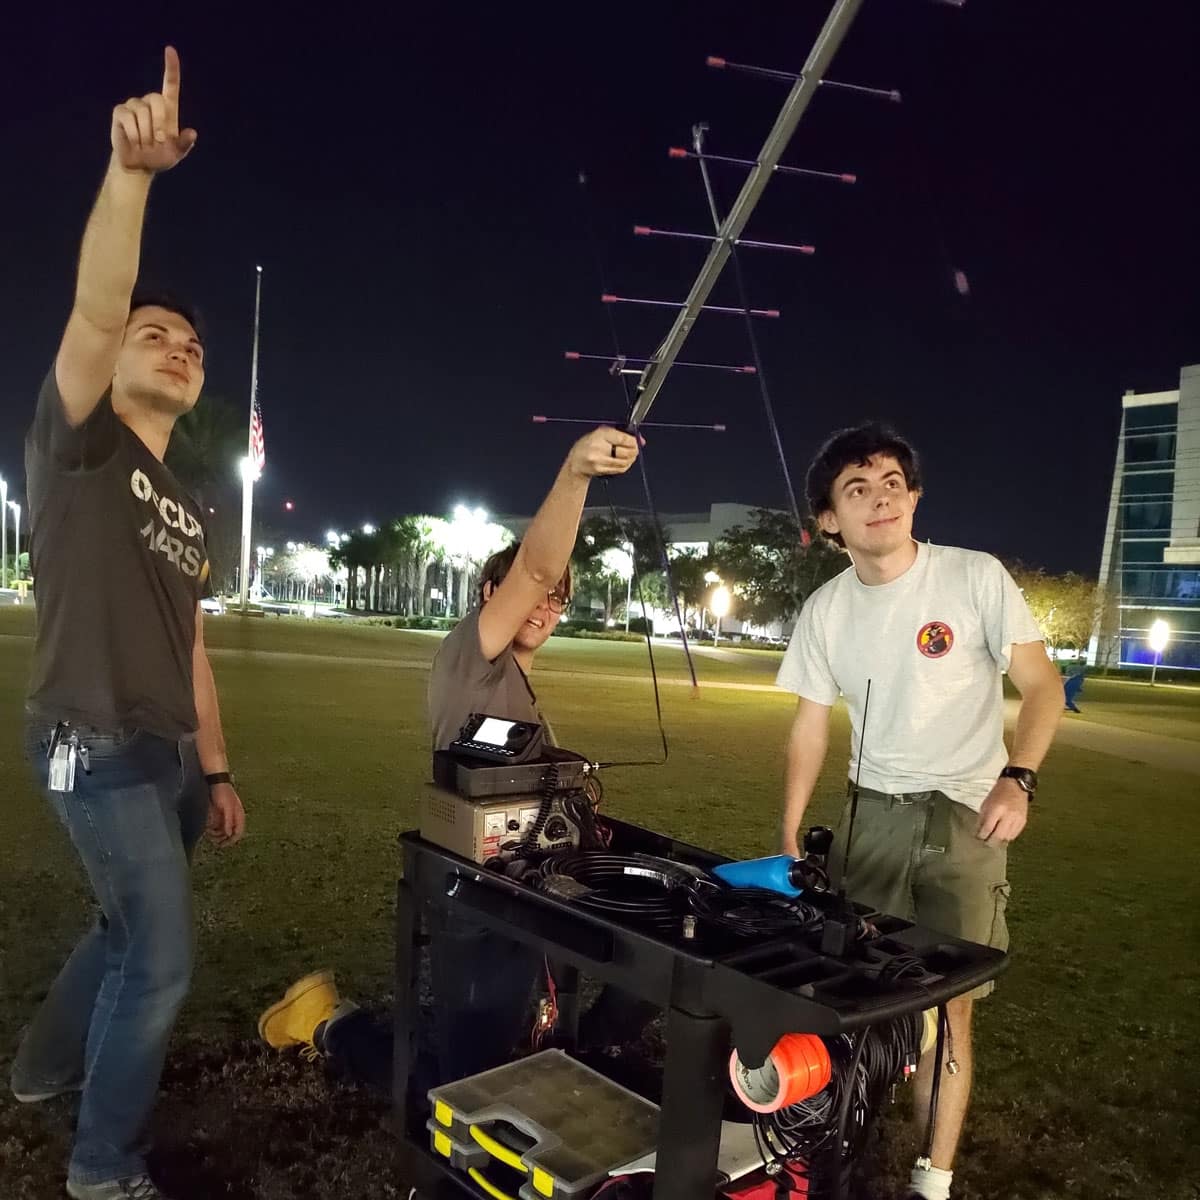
(123,730)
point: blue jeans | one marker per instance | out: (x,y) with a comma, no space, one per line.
(134,821)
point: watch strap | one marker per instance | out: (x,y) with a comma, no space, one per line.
(1026,778)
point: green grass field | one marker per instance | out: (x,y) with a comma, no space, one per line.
(1088,1068)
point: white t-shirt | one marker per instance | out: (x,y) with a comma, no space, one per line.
(934,644)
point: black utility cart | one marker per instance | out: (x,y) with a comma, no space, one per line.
(747,997)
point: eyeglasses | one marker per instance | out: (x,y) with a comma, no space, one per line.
(557,602)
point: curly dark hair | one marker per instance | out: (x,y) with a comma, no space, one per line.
(496,567)
(855,448)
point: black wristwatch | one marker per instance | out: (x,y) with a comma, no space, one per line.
(1026,779)
(218,777)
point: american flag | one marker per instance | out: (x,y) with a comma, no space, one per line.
(258,445)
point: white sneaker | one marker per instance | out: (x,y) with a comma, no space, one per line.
(38,1097)
(132,1187)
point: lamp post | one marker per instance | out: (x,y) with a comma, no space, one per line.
(719,603)
(264,553)
(1160,635)
(17,535)
(628,548)
(618,561)
(3,533)
(249,474)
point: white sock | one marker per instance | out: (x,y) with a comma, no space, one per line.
(931,1182)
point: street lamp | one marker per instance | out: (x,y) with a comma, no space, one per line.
(17,533)
(1160,635)
(3,533)
(719,603)
(368,529)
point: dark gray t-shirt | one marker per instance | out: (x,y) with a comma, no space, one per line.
(462,681)
(119,564)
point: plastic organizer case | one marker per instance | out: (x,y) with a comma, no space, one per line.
(555,1127)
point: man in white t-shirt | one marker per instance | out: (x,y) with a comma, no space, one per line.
(930,630)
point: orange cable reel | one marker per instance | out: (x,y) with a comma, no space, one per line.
(797,1068)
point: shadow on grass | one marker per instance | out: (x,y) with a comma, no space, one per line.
(238,1122)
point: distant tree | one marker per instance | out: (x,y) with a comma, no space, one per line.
(772,567)
(1067,607)
(594,580)
(688,569)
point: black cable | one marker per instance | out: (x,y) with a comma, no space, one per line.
(753,912)
(529,843)
(639,889)
(666,561)
(637,578)
(825,1133)
(658,531)
(581,808)
(844,1116)
(901,967)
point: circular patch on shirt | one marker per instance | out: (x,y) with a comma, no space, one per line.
(935,639)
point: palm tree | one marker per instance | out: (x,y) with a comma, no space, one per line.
(353,553)
(429,547)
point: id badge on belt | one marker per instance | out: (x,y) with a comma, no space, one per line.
(65,753)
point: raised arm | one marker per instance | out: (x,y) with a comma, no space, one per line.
(546,548)
(145,139)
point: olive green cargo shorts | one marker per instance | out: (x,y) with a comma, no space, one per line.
(916,856)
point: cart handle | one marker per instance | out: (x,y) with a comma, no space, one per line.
(487,1185)
(508,1156)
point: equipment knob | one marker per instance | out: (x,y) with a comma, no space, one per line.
(818,840)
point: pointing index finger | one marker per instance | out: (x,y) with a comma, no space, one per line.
(170,84)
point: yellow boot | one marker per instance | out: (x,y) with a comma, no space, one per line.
(294,1020)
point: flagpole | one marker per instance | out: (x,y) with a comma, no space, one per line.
(249,473)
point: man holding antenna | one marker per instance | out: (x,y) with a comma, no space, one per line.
(482,980)
(124,732)
(930,630)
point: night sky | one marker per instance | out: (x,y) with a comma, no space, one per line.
(409,183)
